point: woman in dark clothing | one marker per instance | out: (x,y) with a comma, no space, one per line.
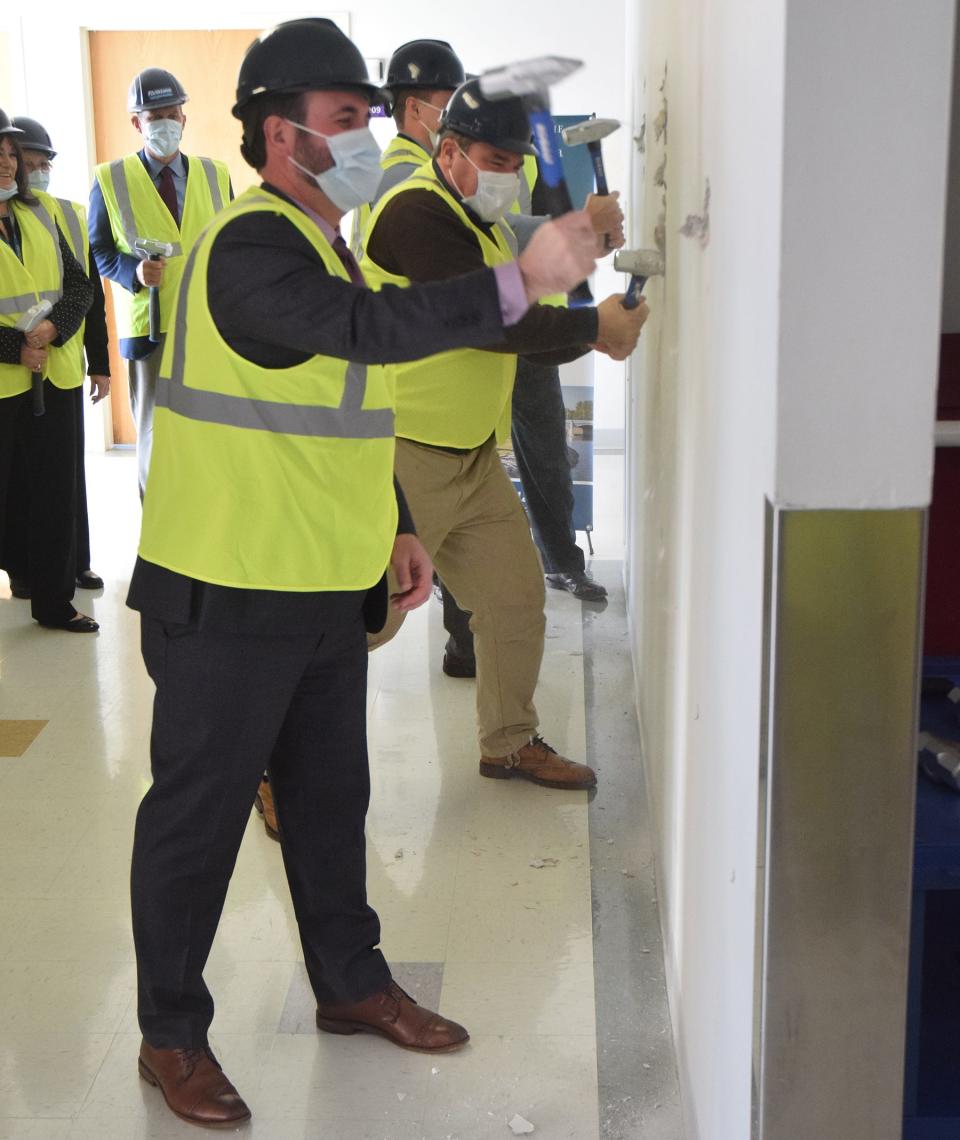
(36,264)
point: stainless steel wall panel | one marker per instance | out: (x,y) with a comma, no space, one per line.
(836,855)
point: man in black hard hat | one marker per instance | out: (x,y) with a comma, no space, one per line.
(421,77)
(269,520)
(141,205)
(444,220)
(38,154)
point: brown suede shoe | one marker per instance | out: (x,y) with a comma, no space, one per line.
(394,1015)
(193,1085)
(540,764)
(267,809)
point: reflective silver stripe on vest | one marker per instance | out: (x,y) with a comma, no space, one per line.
(345,422)
(524,196)
(13,306)
(51,227)
(76,230)
(210,170)
(121,188)
(506,232)
(349,421)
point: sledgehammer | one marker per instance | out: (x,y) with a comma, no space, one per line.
(27,323)
(530,80)
(153,250)
(640,264)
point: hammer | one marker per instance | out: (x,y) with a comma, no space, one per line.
(27,323)
(153,250)
(640,264)
(530,81)
(591,132)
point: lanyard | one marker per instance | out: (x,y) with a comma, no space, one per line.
(10,233)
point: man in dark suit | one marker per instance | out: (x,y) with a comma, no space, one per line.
(269,520)
(155,195)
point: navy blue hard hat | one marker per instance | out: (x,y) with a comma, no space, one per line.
(311,54)
(34,136)
(427,64)
(501,122)
(153,88)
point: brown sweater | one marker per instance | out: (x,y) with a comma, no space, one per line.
(418,236)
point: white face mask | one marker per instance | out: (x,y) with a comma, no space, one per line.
(434,136)
(495,192)
(356,173)
(8,192)
(39,179)
(163,136)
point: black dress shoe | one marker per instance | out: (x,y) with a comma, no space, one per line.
(19,588)
(79,623)
(580,584)
(455,666)
(87,580)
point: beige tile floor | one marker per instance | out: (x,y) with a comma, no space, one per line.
(449,872)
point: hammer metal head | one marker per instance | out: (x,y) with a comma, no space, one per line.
(29,320)
(527,76)
(639,262)
(590,130)
(151,248)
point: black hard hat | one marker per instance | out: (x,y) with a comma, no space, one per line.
(311,54)
(431,64)
(34,136)
(154,88)
(6,125)
(501,122)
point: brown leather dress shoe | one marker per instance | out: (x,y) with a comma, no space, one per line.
(395,1015)
(267,809)
(193,1085)
(540,764)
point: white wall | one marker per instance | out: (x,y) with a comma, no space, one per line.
(53,61)
(788,359)
(864,187)
(702,439)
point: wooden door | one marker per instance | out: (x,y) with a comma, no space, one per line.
(206,63)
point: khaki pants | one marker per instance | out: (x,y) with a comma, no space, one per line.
(471,521)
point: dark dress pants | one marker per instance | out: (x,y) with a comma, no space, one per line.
(83,519)
(38,489)
(540,448)
(228,706)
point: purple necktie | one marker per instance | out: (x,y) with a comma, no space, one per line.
(342,250)
(168,192)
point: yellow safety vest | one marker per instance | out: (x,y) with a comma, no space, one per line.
(400,151)
(457,398)
(267,478)
(38,277)
(73,225)
(136,210)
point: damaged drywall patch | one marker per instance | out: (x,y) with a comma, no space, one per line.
(698,225)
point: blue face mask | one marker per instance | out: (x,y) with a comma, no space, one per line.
(163,136)
(8,192)
(355,175)
(39,179)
